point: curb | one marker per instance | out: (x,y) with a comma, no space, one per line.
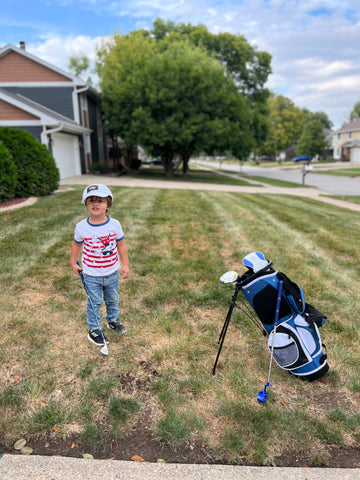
(19,467)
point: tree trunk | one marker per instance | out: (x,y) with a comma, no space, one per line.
(167,161)
(185,157)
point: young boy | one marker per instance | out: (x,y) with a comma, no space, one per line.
(104,253)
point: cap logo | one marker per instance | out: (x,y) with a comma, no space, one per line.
(91,188)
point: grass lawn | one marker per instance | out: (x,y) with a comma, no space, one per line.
(348,198)
(193,175)
(276,182)
(54,384)
(346,172)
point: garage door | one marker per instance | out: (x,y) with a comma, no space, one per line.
(355,155)
(66,154)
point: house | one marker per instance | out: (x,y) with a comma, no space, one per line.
(60,110)
(346,142)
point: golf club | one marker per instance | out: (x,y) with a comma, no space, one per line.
(261,396)
(104,350)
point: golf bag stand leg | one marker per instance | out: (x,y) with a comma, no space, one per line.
(226,323)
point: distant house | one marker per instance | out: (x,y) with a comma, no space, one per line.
(346,142)
(60,110)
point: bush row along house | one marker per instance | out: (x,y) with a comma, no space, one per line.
(60,110)
(346,142)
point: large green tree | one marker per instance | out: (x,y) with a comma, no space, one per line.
(248,67)
(321,116)
(312,140)
(172,98)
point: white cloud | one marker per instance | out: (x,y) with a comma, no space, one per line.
(321,68)
(58,50)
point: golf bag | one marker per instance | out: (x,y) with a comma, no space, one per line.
(296,345)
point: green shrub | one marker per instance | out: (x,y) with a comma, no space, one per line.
(37,172)
(8,174)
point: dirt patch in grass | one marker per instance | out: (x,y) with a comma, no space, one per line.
(142,441)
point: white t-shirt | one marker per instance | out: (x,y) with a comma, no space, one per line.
(100,254)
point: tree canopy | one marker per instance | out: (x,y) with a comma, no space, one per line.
(313,139)
(355,112)
(167,91)
(287,122)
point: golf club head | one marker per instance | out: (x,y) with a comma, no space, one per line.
(229,277)
(261,397)
(104,350)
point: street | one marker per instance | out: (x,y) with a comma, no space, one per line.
(335,185)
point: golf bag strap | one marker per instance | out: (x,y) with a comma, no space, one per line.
(249,276)
(292,290)
(313,316)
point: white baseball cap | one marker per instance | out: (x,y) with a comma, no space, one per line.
(96,190)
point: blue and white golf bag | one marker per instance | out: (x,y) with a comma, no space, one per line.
(296,344)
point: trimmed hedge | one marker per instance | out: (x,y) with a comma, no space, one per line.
(37,172)
(8,174)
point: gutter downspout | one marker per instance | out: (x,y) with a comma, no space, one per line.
(76,102)
(46,136)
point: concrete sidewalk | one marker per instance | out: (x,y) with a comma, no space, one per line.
(127,181)
(19,467)
(131,182)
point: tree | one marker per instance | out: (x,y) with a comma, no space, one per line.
(287,123)
(322,116)
(248,67)
(172,99)
(313,139)
(79,65)
(355,112)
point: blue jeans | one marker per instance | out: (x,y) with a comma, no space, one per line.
(97,288)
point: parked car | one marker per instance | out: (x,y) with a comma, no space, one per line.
(302,159)
(155,161)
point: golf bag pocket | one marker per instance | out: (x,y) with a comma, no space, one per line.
(297,348)
(261,293)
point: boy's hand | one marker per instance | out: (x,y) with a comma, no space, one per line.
(124,272)
(76,269)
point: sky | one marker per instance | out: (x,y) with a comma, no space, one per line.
(314,44)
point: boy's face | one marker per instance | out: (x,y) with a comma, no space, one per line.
(96,206)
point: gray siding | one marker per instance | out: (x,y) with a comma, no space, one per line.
(58,99)
(35,131)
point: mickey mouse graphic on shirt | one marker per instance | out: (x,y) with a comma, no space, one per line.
(104,245)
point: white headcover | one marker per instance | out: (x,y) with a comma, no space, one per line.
(256,261)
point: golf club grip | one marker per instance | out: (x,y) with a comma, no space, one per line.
(278,301)
(81,275)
